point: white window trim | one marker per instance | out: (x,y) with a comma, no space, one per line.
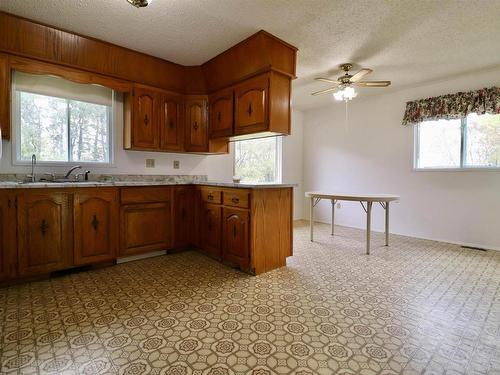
(416,168)
(15,121)
(279,160)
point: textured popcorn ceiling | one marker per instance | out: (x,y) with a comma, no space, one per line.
(408,42)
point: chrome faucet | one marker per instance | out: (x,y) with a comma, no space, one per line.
(71,170)
(32,176)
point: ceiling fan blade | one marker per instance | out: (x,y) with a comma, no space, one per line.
(360,74)
(374,83)
(324,91)
(326,80)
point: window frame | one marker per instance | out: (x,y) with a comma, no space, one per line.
(463,153)
(16,136)
(278,159)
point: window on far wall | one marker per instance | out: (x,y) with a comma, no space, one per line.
(60,121)
(467,143)
(258,160)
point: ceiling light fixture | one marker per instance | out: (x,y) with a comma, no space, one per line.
(346,94)
(140,3)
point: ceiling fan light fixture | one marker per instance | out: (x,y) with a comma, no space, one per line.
(346,94)
(140,3)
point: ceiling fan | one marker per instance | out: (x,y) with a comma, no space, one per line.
(344,84)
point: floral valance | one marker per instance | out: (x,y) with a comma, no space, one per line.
(453,106)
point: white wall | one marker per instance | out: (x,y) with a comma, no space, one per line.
(374,153)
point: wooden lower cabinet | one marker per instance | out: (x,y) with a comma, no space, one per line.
(44,232)
(145,227)
(235,234)
(184,216)
(211,229)
(95,218)
(8,250)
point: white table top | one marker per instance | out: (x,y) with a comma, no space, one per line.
(353,196)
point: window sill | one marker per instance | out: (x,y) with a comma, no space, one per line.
(62,164)
(470,169)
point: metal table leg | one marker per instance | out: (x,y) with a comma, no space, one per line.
(333,214)
(386,223)
(311,219)
(368,225)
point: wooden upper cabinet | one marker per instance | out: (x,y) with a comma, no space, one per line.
(196,125)
(171,123)
(252,105)
(5,96)
(221,113)
(95,226)
(44,229)
(236,245)
(145,122)
(8,248)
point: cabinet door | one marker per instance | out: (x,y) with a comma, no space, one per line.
(145,124)
(221,114)
(235,236)
(171,123)
(183,216)
(44,228)
(196,125)
(95,226)
(210,227)
(251,105)
(5,85)
(8,249)
(145,227)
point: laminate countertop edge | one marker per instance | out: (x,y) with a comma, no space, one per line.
(90,184)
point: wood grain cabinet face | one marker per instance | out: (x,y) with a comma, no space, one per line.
(145,123)
(196,125)
(44,228)
(5,85)
(235,235)
(145,227)
(221,113)
(211,229)
(184,200)
(95,226)
(251,105)
(171,123)
(8,248)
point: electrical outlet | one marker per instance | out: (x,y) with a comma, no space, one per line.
(150,163)
(177,164)
(339,205)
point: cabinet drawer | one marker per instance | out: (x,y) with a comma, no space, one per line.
(146,194)
(211,195)
(236,198)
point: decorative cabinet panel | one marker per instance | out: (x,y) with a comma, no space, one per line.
(44,229)
(251,105)
(196,125)
(221,113)
(5,85)
(171,123)
(184,221)
(95,226)
(145,122)
(145,227)
(8,248)
(235,235)
(211,229)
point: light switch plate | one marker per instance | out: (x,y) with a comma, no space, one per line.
(177,164)
(338,205)
(150,163)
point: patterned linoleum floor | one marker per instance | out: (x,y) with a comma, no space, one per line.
(415,307)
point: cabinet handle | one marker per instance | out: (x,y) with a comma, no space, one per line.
(8,203)
(146,120)
(235,200)
(210,197)
(234,231)
(44,227)
(95,223)
(195,126)
(249,109)
(171,124)
(219,116)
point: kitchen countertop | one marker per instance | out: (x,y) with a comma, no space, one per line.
(87,184)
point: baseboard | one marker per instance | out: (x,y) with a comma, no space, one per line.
(141,256)
(453,242)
